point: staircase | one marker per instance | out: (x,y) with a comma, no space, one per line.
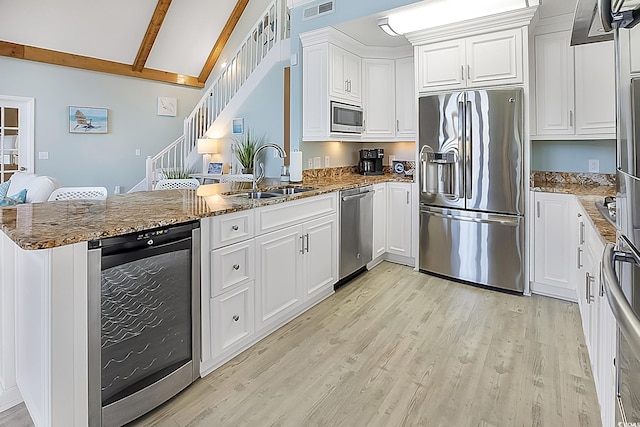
(262,48)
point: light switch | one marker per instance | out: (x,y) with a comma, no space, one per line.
(43,155)
(137,151)
(317,162)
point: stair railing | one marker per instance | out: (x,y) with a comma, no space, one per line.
(269,30)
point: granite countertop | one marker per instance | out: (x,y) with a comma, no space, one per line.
(51,224)
(589,189)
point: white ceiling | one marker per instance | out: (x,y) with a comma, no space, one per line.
(114,29)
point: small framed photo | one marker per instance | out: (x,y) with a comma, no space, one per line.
(88,120)
(215,168)
(167,106)
(238,126)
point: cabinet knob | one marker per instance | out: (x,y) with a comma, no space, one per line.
(234,228)
(236,267)
(235,317)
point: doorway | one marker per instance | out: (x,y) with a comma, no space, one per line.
(16,135)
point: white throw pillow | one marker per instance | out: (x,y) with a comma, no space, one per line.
(20,180)
(40,189)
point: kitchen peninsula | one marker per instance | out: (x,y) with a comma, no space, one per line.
(44,269)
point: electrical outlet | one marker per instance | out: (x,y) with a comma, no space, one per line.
(317,162)
(594,165)
(310,163)
(327,161)
(391,159)
(117,189)
(43,155)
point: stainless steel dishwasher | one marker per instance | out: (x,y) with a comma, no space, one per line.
(356,229)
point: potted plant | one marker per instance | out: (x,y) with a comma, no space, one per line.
(245,149)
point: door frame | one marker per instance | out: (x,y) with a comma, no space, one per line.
(26,129)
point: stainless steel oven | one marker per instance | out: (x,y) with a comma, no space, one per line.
(144,321)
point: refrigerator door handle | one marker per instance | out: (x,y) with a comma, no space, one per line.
(468,141)
(623,312)
(499,220)
(460,182)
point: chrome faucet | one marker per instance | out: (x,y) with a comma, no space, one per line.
(257,177)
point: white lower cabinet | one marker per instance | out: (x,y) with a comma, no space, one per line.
(279,274)
(399,218)
(232,318)
(379,220)
(553,246)
(320,260)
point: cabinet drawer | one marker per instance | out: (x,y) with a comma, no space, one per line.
(231,228)
(275,217)
(231,265)
(232,318)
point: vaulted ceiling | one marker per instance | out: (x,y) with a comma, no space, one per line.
(172,41)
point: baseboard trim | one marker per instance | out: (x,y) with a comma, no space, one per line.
(554,292)
(9,398)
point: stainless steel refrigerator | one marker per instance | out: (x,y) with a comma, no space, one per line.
(621,263)
(472,224)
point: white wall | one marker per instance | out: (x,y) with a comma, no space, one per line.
(97,159)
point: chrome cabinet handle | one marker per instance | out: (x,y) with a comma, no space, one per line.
(468,72)
(302,245)
(462,72)
(570,117)
(307,236)
(235,317)
(397,125)
(538,209)
(234,228)
(407,197)
(581,232)
(590,296)
(587,282)
(236,267)
(579,258)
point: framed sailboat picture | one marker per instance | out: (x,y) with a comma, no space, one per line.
(88,120)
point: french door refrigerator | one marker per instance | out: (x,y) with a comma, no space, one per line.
(472,224)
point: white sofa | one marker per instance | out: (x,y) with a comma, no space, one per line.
(39,188)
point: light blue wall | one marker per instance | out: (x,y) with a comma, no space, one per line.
(573,156)
(263,113)
(99,159)
(345,10)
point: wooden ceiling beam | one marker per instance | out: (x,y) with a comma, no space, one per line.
(30,53)
(150,36)
(223,38)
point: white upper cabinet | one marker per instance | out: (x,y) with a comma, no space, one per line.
(315,102)
(405,99)
(442,65)
(345,71)
(554,84)
(575,88)
(483,60)
(634,47)
(595,89)
(379,98)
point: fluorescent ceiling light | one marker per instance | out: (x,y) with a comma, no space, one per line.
(437,13)
(383,23)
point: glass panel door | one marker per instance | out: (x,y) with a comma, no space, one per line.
(9,139)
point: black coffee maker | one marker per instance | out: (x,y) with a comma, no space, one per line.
(371,162)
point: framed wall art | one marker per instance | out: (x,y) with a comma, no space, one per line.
(237,126)
(167,106)
(215,168)
(88,120)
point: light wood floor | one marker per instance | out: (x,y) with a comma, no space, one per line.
(395,347)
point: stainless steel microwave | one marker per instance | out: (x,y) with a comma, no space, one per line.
(346,118)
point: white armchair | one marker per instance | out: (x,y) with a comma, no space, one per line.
(39,188)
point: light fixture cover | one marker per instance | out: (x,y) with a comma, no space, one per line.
(383,23)
(207,146)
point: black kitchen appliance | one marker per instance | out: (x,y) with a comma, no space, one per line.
(371,162)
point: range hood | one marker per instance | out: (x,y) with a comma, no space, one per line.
(587,24)
(593,19)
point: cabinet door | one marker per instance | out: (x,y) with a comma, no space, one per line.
(321,254)
(345,78)
(554,84)
(553,246)
(634,47)
(278,274)
(494,58)
(595,89)
(353,73)
(441,66)
(379,98)
(232,318)
(399,216)
(379,220)
(315,101)
(405,99)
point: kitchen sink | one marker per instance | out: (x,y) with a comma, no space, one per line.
(258,195)
(290,190)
